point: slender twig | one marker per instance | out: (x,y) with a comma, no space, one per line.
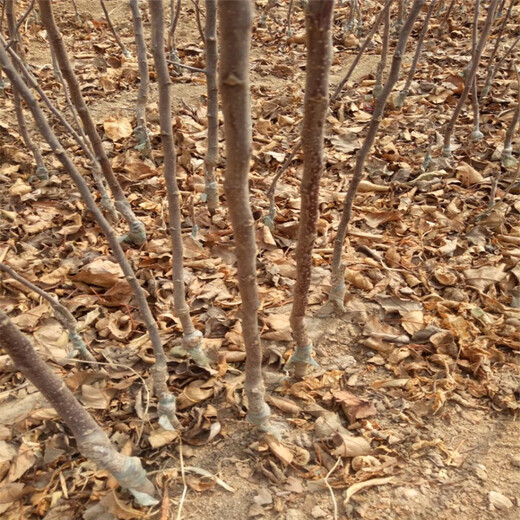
(211,158)
(476,134)
(79,135)
(475,61)
(137,232)
(411,73)
(121,45)
(338,288)
(192,338)
(141,128)
(507,159)
(378,85)
(13,27)
(63,315)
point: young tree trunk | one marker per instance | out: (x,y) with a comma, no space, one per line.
(137,233)
(141,128)
(318,21)
(378,86)
(41,170)
(121,45)
(166,405)
(235,20)
(337,292)
(92,441)
(62,314)
(211,159)
(404,91)
(470,76)
(192,338)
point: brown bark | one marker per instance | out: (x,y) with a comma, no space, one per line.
(92,441)
(211,159)
(470,76)
(141,128)
(235,18)
(159,369)
(41,170)
(192,338)
(318,21)
(378,86)
(137,233)
(62,314)
(337,291)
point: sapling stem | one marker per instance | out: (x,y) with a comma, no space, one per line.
(269,219)
(411,73)
(507,159)
(91,440)
(476,134)
(235,20)
(137,233)
(338,288)
(41,170)
(211,158)
(470,76)
(141,128)
(175,11)
(62,314)
(318,21)
(166,406)
(121,45)
(192,338)
(378,86)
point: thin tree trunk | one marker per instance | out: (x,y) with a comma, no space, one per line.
(192,338)
(137,233)
(62,314)
(121,45)
(507,159)
(92,441)
(211,159)
(318,21)
(141,128)
(41,170)
(404,91)
(338,288)
(166,406)
(378,86)
(476,134)
(469,78)
(235,19)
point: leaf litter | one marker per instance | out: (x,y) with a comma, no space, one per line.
(419,379)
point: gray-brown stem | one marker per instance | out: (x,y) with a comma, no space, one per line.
(235,20)
(475,61)
(137,233)
(211,159)
(92,441)
(318,21)
(141,130)
(192,337)
(337,292)
(41,170)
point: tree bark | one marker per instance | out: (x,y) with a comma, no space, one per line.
(318,21)
(92,441)
(211,159)
(338,288)
(192,338)
(235,18)
(137,233)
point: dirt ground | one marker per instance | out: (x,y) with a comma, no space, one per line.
(444,440)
